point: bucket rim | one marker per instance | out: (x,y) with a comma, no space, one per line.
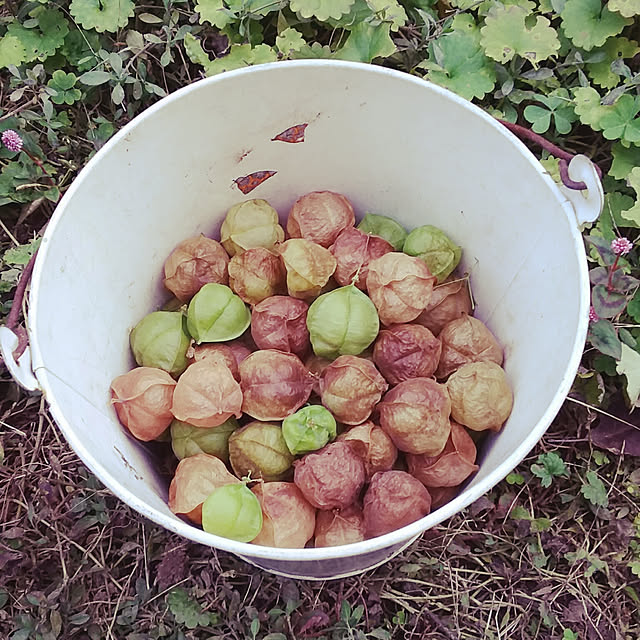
(464,499)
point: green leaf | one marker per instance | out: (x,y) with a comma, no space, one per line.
(313,51)
(194,50)
(588,107)
(614,49)
(621,122)
(42,41)
(633,308)
(94,78)
(186,610)
(215,12)
(602,335)
(539,117)
(321,9)
(63,84)
(633,214)
(506,33)
(626,8)
(549,466)
(102,15)
(289,40)
(22,254)
(629,366)
(624,160)
(240,55)
(458,62)
(594,490)
(588,24)
(12,51)
(607,304)
(366,42)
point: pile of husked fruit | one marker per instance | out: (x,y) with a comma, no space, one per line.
(320,389)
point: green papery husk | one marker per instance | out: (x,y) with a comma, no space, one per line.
(187,440)
(309,429)
(342,322)
(433,246)
(161,340)
(216,314)
(384,227)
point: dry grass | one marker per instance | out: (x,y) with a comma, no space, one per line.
(77,563)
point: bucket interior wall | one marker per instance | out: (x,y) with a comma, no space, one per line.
(394,145)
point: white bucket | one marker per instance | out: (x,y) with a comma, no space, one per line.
(393,144)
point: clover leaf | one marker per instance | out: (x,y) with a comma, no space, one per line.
(621,123)
(321,9)
(507,33)
(557,107)
(588,24)
(63,84)
(102,15)
(626,8)
(366,42)
(457,61)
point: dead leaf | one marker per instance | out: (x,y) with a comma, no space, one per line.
(248,183)
(292,134)
(620,432)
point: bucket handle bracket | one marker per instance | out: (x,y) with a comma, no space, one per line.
(19,368)
(581,178)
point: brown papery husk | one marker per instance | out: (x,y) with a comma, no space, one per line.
(332,477)
(142,399)
(274,384)
(393,500)
(309,267)
(320,216)
(316,365)
(400,287)
(449,301)
(195,479)
(442,495)
(257,274)
(194,263)
(415,414)
(451,467)
(280,322)
(465,340)
(404,351)
(288,520)
(350,387)
(353,250)
(217,354)
(373,445)
(481,397)
(207,395)
(339,526)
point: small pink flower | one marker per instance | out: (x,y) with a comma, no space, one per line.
(11,140)
(593,316)
(621,246)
